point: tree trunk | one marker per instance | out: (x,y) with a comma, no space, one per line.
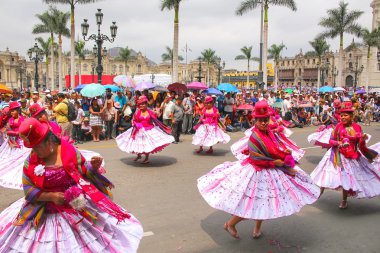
(275,77)
(265,48)
(368,72)
(340,65)
(80,71)
(248,76)
(46,70)
(52,62)
(319,79)
(175,45)
(72,48)
(60,63)
(126,68)
(208,75)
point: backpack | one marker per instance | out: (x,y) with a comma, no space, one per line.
(72,112)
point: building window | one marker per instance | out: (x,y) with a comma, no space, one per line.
(85,66)
(350,65)
(308,61)
(139,68)
(13,59)
(120,69)
(113,69)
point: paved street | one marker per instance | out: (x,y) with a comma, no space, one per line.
(164,196)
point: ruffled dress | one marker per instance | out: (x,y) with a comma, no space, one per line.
(208,133)
(257,189)
(62,229)
(322,136)
(347,168)
(144,137)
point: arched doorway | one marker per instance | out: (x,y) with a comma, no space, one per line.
(349,81)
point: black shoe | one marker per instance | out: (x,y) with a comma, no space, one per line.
(175,142)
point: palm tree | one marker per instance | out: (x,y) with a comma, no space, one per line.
(125,55)
(275,53)
(72,4)
(209,56)
(45,47)
(338,22)
(62,19)
(248,5)
(47,25)
(247,55)
(370,39)
(79,51)
(320,47)
(168,56)
(170,5)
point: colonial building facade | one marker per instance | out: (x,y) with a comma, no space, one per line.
(17,72)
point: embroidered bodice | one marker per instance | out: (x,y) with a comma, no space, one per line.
(210,118)
(143,121)
(351,135)
(14,125)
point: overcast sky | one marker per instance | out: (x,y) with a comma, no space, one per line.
(203,24)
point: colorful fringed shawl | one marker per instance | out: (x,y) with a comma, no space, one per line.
(264,147)
(93,184)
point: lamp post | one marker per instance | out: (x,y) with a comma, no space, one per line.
(357,71)
(20,69)
(199,77)
(99,39)
(152,77)
(93,65)
(38,56)
(325,65)
(220,65)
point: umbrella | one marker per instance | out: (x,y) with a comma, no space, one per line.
(5,89)
(326,89)
(213,91)
(160,88)
(374,90)
(144,86)
(227,87)
(338,89)
(93,90)
(177,87)
(79,87)
(360,91)
(113,88)
(288,90)
(245,107)
(277,105)
(124,81)
(197,86)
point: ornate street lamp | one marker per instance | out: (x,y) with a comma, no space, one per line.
(99,39)
(336,72)
(220,65)
(38,56)
(199,77)
(20,69)
(357,71)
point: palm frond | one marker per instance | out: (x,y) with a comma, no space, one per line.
(241,57)
(291,4)
(246,6)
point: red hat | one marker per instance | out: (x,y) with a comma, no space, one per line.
(209,99)
(261,109)
(14,105)
(347,107)
(35,109)
(141,100)
(337,104)
(33,132)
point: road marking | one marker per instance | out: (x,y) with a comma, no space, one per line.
(96,147)
(149,233)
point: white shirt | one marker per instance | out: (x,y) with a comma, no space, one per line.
(287,105)
(168,109)
(229,104)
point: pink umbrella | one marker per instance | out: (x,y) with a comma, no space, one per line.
(197,86)
(245,107)
(305,105)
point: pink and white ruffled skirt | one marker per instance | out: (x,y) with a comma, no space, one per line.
(69,232)
(359,176)
(320,137)
(208,135)
(145,141)
(237,188)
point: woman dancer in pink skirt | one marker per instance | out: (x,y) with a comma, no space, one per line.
(208,133)
(147,136)
(67,205)
(348,164)
(266,185)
